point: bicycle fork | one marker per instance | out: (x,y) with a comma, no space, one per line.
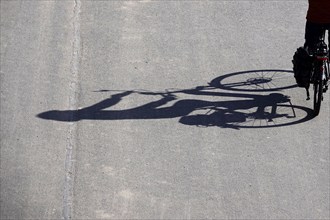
(321,75)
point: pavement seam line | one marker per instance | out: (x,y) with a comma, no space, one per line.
(73,105)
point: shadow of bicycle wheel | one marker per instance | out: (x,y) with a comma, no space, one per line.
(268,80)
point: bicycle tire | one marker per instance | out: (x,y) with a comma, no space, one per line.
(318,93)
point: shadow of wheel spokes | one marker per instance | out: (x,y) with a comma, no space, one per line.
(256,81)
(284,115)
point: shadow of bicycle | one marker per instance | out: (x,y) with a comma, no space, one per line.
(243,110)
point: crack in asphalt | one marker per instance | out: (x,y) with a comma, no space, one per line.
(73,104)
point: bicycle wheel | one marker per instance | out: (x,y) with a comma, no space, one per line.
(318,90)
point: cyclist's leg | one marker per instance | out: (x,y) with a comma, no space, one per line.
(328,35)
(313,32)
(328,28)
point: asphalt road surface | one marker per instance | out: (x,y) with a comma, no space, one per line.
(158,110)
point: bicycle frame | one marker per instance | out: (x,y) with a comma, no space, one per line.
(321,55)
(320,73)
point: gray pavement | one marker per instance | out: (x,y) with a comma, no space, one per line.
(158,110)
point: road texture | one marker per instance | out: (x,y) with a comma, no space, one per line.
(158,110)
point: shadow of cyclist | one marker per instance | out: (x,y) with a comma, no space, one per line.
(225,113)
